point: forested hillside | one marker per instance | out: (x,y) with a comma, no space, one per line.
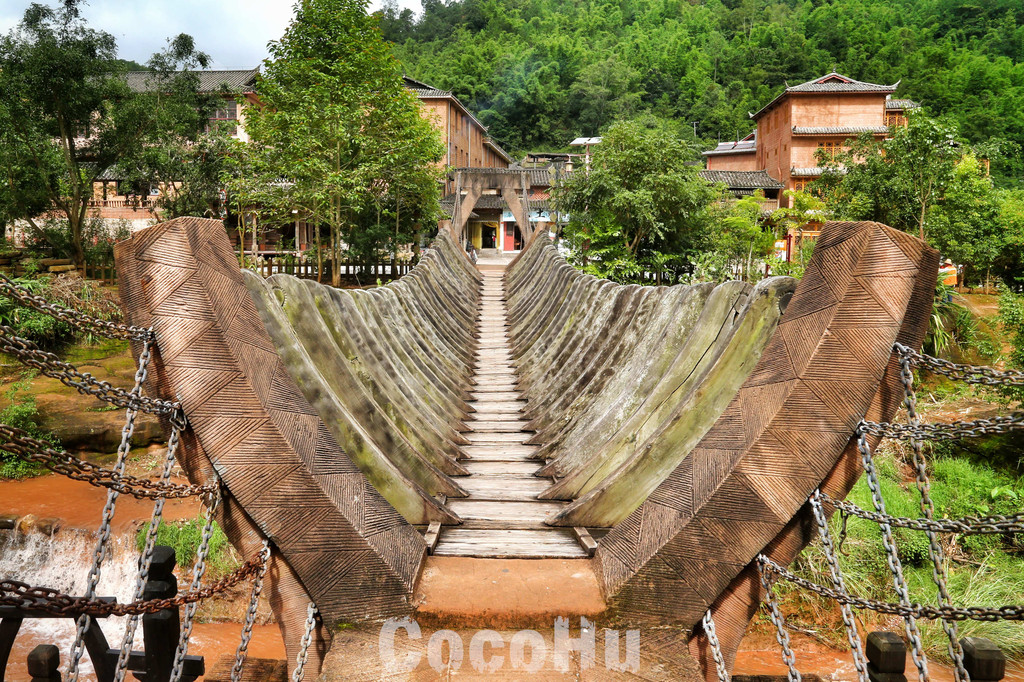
(541,72)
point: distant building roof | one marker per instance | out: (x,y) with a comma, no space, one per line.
(209,81)
(900,104)
(492,202)
(424,90)
(811,172)
(738,180)
(537,177)
(840,130)
(735,147)
(831,82)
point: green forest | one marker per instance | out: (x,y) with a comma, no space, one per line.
(542,72)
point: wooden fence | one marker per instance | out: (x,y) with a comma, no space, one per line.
(359,273)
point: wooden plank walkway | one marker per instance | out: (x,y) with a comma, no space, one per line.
(502,517)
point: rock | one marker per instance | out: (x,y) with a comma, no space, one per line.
(101,431)
(31,523)
(8,521)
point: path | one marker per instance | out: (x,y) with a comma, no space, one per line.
(501,516)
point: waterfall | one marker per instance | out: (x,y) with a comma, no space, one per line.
(61,561)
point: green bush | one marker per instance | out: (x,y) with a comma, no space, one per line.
(40,329)
(23,414)
(185,537)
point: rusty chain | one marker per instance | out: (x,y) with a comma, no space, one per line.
(979,613)
(967,525)
(49,364)
(24,596)
(986,376)
(20,444)
(950,431)
(111,330)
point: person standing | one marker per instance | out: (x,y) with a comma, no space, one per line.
(948,276)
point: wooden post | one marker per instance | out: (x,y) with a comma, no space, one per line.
(43,663)
(887,657)
(983,659)
(9,627)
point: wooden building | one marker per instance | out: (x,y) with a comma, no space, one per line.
(824,113)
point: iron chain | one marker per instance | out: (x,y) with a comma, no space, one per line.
(307,639)
(198,570)
(967,373)
(935,552)
(781,634)
(967,525)
(979,613)
(49,364)
(950,431)
(20,444)
(716,647)
(111,330)
(27,597)
(856,646)
(250,614)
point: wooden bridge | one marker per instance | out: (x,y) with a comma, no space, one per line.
(664,437)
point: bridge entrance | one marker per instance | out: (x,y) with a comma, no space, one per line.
(501,517)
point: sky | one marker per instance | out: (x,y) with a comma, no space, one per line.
(234,33)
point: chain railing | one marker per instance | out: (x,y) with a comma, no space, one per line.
(28,599)
(915,432)
(106,328)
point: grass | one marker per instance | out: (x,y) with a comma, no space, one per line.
(983,570)
(22,413)
(185,537)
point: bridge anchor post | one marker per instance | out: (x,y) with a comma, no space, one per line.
(887,657)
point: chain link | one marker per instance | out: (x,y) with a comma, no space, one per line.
(935,552)
(102,543)
(950,431)
(198,570)
(979,613)
(968,373)
(111,330)
(852,636)
(250,614)
(146,560)
(50,365)
(892,558)
(307,639)
(781,634)
(716,647)
(28,598)
(967,525)
(20,444)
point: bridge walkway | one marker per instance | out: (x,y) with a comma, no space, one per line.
(502,517)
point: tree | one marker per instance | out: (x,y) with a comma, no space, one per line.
(640,201)
(896,181)
(742,238)
(64,116)
(336,135)
(964,224)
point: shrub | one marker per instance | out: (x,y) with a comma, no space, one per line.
(23,414)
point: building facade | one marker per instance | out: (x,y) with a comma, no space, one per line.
(821,114)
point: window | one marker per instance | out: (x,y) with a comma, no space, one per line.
(831,149)
(226,113)
(893,120)
(801,184)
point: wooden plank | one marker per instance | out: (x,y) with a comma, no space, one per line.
(430,537)
(491,437)
(497,426)
(511,469)
(497,397)
(498,416)
(508,543)
(588,543)
(498,488)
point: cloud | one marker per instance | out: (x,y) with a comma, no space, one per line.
(234,33)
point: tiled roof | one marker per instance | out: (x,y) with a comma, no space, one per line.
(209,81)
(901,104)
(832,82)
(742,179)
(840,130)
(537,177)
(836,82)
(492,202)
(810,172)
(423,90)
(741,147)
